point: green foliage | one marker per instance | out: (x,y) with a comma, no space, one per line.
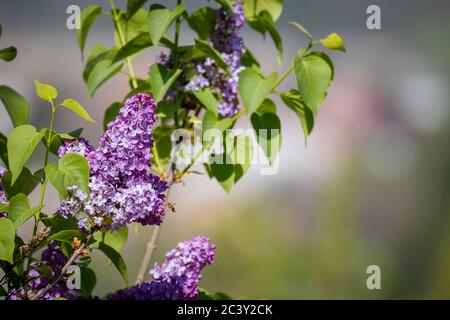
(88,17)
(203,22)
(268,130)
(207,98)
(333,42)
(8,54)
(133,6)
(76,107)
(21,143)
(254,8)
(135,45)
(111,113)
(263,23)
(88,282)
(25,183)
(161,81)
(7,235)
(254,88)
(72,169)
(67,236)
(45,91)
(100,73)
(20,210)
(115,239)
(16,105)
(160,18)
(211,52)
(314,76)
(293,100)
(116,259)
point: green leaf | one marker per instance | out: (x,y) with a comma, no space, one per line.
(115,239)
(20,211)
(211,52)
(248,59)
(4,150)
(133,6)
(88,282)
(234,162)
(96,54)
(25,183)
(164,146)
(264,23)
(161,81)
(207,98)
(268,132)
(268,106)
(21,143)
(7,235)
(221,296)
(45,91)
(313,76)
(160,18)
(111,113)
(3,292)
(73,169)
(333,42)
(58,223)
(76,107)
(203,21)
(254,88)
(100,74)
(8,54)
(138,43)
(301,28)
(87,18)
(203,294)
(253,8)
(67,236)
(225,4)
(293,100)
(116,259)
(16,106)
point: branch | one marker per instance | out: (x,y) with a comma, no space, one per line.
(71,260)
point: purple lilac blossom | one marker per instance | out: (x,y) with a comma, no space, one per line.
(178,277)
(3,199)
(230,44)
(122,189)
(53,258)
(79,145)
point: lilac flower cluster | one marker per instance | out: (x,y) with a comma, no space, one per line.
(3,199)
(53,258)
(177,278)
(122,189)
(230,44)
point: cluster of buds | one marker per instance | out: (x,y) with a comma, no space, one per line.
(29,247)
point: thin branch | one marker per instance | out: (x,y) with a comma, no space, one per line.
(71,260)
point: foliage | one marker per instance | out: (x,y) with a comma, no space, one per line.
(208,84)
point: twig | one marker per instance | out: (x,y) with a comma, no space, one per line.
(75,255)
(152,244)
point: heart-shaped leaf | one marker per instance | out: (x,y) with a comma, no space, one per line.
(254,88)
(72,169)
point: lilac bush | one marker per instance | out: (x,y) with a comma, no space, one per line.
(125,179)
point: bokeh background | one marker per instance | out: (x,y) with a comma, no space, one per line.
(372,185)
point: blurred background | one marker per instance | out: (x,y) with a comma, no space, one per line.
(371,187)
